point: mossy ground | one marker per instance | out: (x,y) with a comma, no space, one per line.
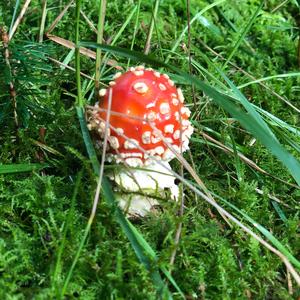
(214,261)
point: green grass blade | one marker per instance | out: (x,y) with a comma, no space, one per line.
(294,74)
(279,211)
(276,121)
(196,17)
(127,21)
(87,140)
(14,15)
(19,168)
(79,99)
(243,33)
(59,263)
(100,30)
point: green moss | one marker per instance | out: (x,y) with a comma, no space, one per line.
(215,260)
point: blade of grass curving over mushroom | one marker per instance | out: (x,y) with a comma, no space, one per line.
(239,108)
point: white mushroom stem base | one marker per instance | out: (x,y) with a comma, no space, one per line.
(152,180)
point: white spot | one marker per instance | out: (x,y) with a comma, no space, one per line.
(185,110)
(158,117)
(171,82)
(157,132)
(112,83)
(252,142)
(176,134)
(149,69)
(156,74)
(90,127)
(139,68)
(164,108)
(162,87)
(175,101)
(119,160)
(134,162)
(177,116)
(131,144)
(131,154)
(114,142)
(151,152)
(169,128)
(117,75)
(169,140)
(188,132)
(176,148)
(186,135)
(148,162)
(101,125)
(152,104)
(102,92)
(166,76)
(138,73)
(185,123)
(151,116)
(119,131)
(185,145)
(174,95)
(109,157)
(155,140)
(146,137)
(102,130)
(168,155)
(159,150)
(180,95)
(140,87)
(132,69)
(124,155)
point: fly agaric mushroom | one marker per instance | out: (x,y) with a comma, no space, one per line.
(147,114)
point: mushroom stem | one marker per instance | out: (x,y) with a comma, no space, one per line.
(137,190)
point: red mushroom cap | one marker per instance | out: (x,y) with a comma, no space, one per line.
(147,96)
